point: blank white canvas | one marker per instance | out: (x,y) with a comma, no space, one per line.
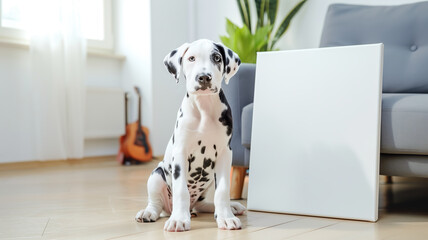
(316,132)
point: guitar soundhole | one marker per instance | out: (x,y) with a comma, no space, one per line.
(140,140)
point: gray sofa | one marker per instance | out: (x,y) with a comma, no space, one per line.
(404,31)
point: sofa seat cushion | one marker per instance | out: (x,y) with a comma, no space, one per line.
(404,123)
(247,122)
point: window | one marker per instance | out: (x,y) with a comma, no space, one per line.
(95,18)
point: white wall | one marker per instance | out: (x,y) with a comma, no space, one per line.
(170,29)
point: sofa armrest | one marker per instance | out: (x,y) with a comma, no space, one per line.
(247,123)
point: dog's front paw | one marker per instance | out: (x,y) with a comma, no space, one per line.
(232,223)
(237,208)
(147,215)
(176,224)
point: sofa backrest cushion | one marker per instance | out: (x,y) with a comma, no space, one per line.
(403,29)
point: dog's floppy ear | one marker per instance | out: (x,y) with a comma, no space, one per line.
(231,61)
(173,60)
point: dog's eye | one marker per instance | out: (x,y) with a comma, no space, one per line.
(192,59)
(217,58)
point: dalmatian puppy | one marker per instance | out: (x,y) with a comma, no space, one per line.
(198,153)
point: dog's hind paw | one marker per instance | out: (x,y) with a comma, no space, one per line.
(237,208)
(146,215)
(232,223)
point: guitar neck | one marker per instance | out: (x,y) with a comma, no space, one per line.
(139,110)
(126,109)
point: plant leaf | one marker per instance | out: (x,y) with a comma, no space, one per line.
(261,9)
(230,27)
(242,42)
(286,22)
(244,10)
(261,38)
(272,10)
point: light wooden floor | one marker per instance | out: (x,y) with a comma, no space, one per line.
(98,199)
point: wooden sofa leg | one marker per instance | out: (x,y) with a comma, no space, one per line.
(237,183)
(386,179)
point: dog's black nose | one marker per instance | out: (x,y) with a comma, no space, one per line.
(204,78)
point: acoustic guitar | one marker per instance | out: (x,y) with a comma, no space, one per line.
(134,145)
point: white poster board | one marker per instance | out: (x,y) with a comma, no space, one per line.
(316,132)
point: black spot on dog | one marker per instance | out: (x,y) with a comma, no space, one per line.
(199,175)
(226,120)
(187,95)
(227,69)
(212,165)
(173,138)
(190,159)
(226,115)
(170,168)
(173,53)
(215,216)
(201,198)
(207,163)
(239,61)
(191,181)
(228,144)
(159,171)
(222,53)
(214,55)
(227,61)
(194,186)
(180,60)
(198,172)
(215,181)
(171,68)
(230,53)
(181,115)
(201,189)
(176,171)
(203,150)
(204,179)
(215,147)
(199,142)
(215,154)
(176,124)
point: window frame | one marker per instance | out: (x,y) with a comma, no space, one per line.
(13,35)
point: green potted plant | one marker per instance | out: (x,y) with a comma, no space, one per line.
(246,41)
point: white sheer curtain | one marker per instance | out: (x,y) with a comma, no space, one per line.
(58,58)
